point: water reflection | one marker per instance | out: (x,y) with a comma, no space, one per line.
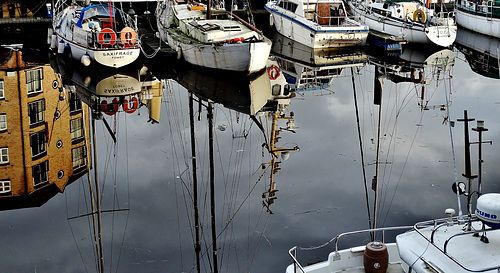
(481,51)
(263,204)
(43,133)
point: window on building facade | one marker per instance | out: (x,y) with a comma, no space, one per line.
(34,81)
(38,142)
(4,155)
(3,122)
(4,186)
(36,111)
(79,155)
(2,93)
(41,173)
(76,127)
(75,104)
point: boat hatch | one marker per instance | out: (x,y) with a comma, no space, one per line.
(204,26)
(231,28)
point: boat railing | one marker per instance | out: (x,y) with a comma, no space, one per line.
(293,251)
(437,224)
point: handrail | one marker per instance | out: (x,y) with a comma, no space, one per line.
(294,249)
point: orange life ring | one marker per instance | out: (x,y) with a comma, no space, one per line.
(109,109)
(132,106)
(273,72)
(107,37)
(127,35)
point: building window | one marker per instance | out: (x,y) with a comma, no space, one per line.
(4,155)
(3,122)
(75,104)
(34,81)
(4,186)
(41,173)
(76,128)
(36,111)
(38,142)
(2,93)
(79,156)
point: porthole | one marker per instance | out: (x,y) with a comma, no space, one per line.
(60,174)
(59,143)
(55,84)
(57,114)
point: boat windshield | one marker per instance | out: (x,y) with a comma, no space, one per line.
(96,11)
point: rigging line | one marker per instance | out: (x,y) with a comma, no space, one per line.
(361,149)
(212,186)
(73,232)
(375,205)
(404,165)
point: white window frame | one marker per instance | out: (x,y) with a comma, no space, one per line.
(76,128)
(34,81)
(5,186)
(43,175)
(3,122)
(41,143)
(79,157)
(39,114)
(4,155)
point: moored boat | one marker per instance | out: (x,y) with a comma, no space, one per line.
(212,37)
(317,24)
(98,33)
(480,16)
(408,21)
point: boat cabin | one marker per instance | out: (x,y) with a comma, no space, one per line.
(321,12)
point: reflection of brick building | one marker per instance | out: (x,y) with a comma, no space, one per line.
(44,138)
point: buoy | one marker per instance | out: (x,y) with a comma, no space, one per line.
(60,47)
(87,81)
(488,209)
(376,258)
(179,52)
(85,60)
(49,36)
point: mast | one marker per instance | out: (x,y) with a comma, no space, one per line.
(99,248)
(212,186)
(197,247)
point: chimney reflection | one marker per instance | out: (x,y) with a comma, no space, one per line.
(43,133)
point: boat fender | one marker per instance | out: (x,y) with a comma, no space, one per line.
(271,21)
(131,106)
(419,16)
(67,50)
(488,209)
(49,36)
(85,60)
(128,35)
(273,72)
(107,37)
(179,52)
(109,109)
(420,76)
(60,47)
(376,257)
(53,41)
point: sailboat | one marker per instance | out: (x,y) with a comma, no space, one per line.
(479,16)
(464,243)
(211,37)
(99,33)
(408,21)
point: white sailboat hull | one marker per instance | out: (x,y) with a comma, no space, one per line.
(412,32)
(478,22)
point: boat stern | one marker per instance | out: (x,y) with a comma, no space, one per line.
(259,54)
(117,58)
(442,35)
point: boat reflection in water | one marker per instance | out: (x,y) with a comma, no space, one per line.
(41,153)
(109,92)
(309,69)
(236,107)
(441,245)
(481,52)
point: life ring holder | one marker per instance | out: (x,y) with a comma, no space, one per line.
(130,106)
(419,16)
(111,108)
(128,35)
(273,72)
(102,38)
(420,76)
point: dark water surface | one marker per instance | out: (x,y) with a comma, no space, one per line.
(146,176)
